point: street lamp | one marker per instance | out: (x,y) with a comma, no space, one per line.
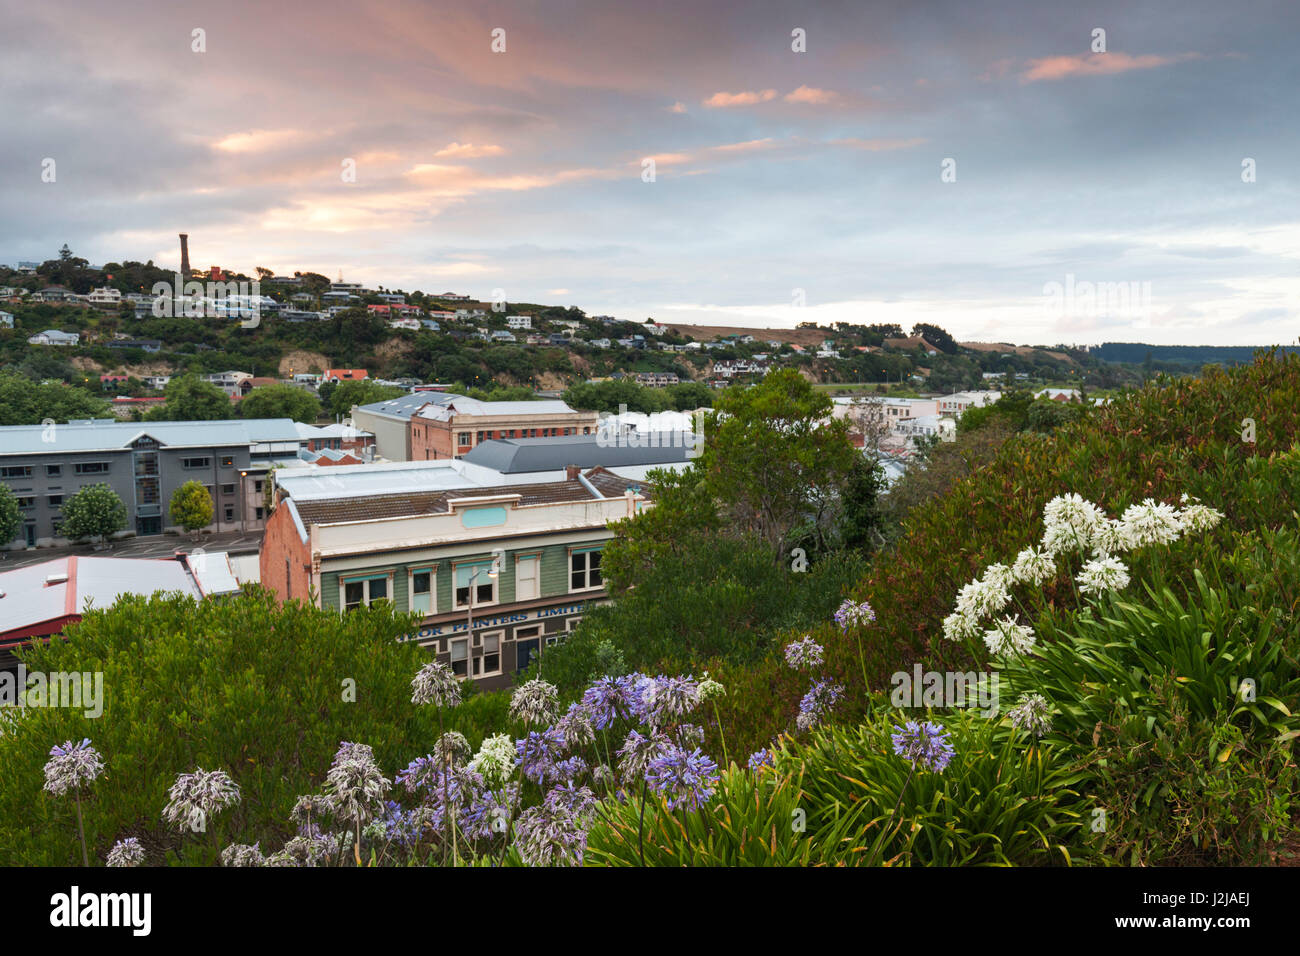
(491,571)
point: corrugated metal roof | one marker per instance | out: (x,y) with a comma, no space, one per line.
(522,455)
(404,406)
(460,405)
(115,436)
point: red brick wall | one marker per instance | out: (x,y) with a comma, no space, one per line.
(281,543)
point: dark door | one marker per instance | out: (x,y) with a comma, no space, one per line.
(525,652)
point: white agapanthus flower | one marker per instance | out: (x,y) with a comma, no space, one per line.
(1195,516)
(1031,714)
(1152,522)
(72,766)
(197,796)
(495,760)
(1103,574)
(1068,523)
(1110,537)
(997,574)
(354,783)
(1009,637)
(241,854)
(959,627)
(981,599)
(435,684)
(1033,566)
(535,702)
(452,747)
(125,853)
(710,688)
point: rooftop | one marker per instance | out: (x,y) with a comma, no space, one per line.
(112,435)
(460,405)
(512,456)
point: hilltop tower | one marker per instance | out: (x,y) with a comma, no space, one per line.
(185,256)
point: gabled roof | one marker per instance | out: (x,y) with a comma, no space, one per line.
(524,455)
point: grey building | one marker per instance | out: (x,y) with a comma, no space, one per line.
(388,421)
(144,462)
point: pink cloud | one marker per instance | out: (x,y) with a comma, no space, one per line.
(810,94)
(678,107)
(746,98)
(468,151)
(1096,64)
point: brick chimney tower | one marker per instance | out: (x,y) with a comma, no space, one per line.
(185,256)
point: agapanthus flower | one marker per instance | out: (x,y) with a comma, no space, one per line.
(665,699)
(689,735)
(241,854)
(817,703)
(488,814)
(1195,516)
(308,850)
(851,614)
(126,852)
(435,684)
(569,769)
(401,826)
(637,752)
(354,783)
(924,744)
(576,726)
(1032,714)
(981,599)
(1151,522)
(1068,523)
(538,753)
(760,759)
(1009,637)
(684,778)
(195,797)
(805,653)
(495,760)
(1103,574)
(1033,566)
(709,688)
(551,834)
(579,801)
(602,777)
(959,627)
(452,747)
(997,574)
(313,807)
(535,702)
(602,700)
(72,766)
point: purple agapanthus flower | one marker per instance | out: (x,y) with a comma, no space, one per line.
(539,752)
(817,703)
(852,614)
(760,759)
(637,752)
(923,743)
(489,814)
(685,778)
(604,701)
(552,833)
(805,653)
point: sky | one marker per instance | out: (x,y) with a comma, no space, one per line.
(980,166)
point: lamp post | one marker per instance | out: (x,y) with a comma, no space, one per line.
(492,571)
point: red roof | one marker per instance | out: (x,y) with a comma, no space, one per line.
(344,374)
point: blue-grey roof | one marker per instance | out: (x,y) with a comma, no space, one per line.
(404,406)
(523,455)
(107,435)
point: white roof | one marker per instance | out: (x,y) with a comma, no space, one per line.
(387,478)
(461,405)
(79,582)
(212,572)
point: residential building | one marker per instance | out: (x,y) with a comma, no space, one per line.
(497,569)
(503,336)
(55,293)
(105,298)
(519,321)
(228,382)
(55,337)
(344,375)
(656,379)
(125,407)
(6,320)
(144,463)
(451,428)
(1060,394)
(958,402)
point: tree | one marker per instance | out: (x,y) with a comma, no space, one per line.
(11,518)
(94,512)
(360,392)
(191,506)
(281,401)
(774,457)
(936,336)
(860,509)
(189,399)
(24,402)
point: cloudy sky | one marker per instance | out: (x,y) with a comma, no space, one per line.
(787,186)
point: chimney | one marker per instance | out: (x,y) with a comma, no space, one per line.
(571,472)
(185,256)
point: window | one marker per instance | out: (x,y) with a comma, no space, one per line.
(16,471)
(227,489)
(53,471)
(460,657)
(91,468)
(230,512)
(257,487)
(26,501)
(489,662)
(55,500)
(485,586)
(421,599)
(462,439)
(227,461)
(528,577)
(364,591)
(584,570)
(192,463)
(260,514)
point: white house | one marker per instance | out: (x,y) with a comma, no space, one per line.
(104,298)
(404,324)
(7,320)
(519,321)
(54,337)
(958,402)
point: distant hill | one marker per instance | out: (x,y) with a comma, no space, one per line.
(1191,355)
